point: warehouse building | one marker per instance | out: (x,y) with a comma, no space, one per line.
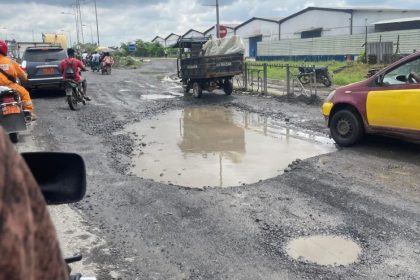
(256,30)
(314,22)
(171,39)
(159,40)
(192,33)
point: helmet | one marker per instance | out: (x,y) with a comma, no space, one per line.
(3,47)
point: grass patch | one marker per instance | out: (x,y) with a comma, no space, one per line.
(343,72)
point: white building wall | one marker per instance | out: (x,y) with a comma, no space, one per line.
(160,41)
(171,40)
(268,30)
(359,18)
(333,23)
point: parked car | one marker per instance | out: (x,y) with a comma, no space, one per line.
(41,65)
(387,103)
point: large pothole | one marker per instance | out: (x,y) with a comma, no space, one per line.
(217,146)
(324,250)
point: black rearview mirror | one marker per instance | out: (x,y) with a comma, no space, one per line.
(61,176)
(401,78)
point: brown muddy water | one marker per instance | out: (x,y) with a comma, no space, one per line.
(324,250)
(218,147)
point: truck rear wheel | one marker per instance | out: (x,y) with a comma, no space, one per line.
(228,87)
(197,90)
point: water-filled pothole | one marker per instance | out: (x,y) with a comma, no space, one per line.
(217,146)
(324,250)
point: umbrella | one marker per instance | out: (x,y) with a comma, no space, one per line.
(104,49)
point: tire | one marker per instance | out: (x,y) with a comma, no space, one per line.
(187,88)
(228,87)
(14,137)
(326,80)
(197,90)
(304,79)
(346,128)
(72,101)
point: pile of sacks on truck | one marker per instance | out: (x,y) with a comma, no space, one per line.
(218,46)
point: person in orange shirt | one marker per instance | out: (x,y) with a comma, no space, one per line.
(13,71)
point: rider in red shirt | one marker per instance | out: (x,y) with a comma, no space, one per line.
(77,65)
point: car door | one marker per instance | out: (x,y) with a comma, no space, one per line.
(395,103)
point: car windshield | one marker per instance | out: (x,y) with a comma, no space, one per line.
(44,55)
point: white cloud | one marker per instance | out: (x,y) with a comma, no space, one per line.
(127,20)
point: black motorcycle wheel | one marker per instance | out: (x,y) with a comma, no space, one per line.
(14,137)
(304,79)
(326,80)
(72,101)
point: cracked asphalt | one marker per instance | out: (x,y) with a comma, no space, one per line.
(148,230)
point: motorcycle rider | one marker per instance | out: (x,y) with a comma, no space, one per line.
(76,65)
(96,58)
(107,60)
(9,72)
(28,242)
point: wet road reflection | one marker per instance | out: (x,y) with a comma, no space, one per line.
(217,146)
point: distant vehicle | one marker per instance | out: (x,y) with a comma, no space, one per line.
(387,103)
(42,66)
(12,116)
(55,39)
(200,73)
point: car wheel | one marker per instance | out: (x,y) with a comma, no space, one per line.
(346,128)
(197,90)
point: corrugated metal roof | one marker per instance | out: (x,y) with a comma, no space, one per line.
(397,20)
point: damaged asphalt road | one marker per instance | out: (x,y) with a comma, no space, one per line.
(369,194)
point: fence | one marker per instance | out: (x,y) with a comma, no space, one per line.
(284,80)
(337,47)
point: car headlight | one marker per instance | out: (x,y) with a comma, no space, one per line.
(330,96)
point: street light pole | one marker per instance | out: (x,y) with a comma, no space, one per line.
(77,26)
(217,17)
(91,33)
(68,32)
(97,26)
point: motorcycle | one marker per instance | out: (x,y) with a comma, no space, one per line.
(322,75)
(64,182)
(74,94)
(13,117)
(105,68)
(95,66)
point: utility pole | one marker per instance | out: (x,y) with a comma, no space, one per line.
(217,18)
(97,26)
(366,39)
(79,19)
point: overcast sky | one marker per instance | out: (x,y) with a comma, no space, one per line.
(127,20)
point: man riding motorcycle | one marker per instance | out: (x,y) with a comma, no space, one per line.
(76,65)
(9,73)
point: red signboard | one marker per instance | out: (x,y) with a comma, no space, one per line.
(222,31)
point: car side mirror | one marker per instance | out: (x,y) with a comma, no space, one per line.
(401,78)
(61,176)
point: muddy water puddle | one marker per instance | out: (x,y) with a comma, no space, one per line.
(324,250)
(218,147)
